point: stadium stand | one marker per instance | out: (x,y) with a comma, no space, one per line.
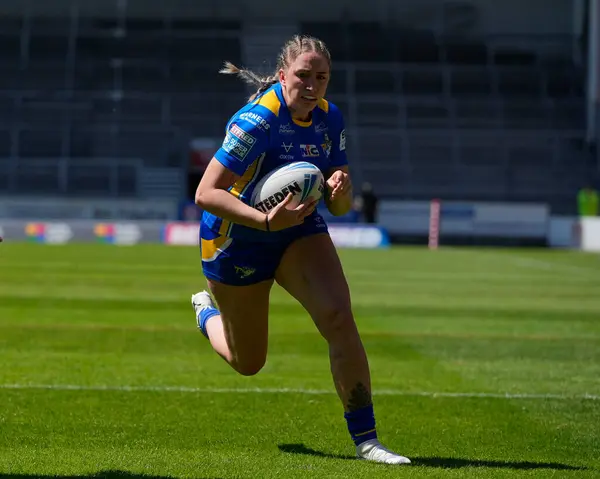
(429,115)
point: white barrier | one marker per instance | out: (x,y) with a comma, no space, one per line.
(343,236)
(564,232)
(590,234)
(505,220)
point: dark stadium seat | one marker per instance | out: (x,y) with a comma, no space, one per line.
(49,47)
(470,81)
(10,48)
(97,180)
(37,177)
(376,81)
(479,113)
(461,52)
(378,113)
(431,114)
(5,143)
(334,34)
(514,57)
(414,46)
(422,81)
(519,81)
(370,42)
(40,143)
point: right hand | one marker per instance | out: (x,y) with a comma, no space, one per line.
(281,217)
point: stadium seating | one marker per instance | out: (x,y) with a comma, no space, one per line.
(462,118)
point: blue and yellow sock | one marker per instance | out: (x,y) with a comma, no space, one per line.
(361,424)
(204,316)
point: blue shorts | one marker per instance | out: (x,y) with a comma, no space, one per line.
(240,262)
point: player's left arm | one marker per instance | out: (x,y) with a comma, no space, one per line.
(338,184)
(338,197)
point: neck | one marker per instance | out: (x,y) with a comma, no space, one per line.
(300,116)
(295,114)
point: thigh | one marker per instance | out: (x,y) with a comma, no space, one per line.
(244,314)
(311,271)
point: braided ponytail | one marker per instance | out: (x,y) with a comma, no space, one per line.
(294,47)
(263,82)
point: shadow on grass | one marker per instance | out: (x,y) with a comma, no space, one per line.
(443,462)
(302,449)
(95,475)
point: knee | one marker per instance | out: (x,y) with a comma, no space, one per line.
(248,367)
(337,323)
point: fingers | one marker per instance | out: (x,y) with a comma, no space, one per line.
(341,188)
(284,203)
(281,217)
(307,208)
(308,204)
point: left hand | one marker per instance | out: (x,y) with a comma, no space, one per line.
(339,184)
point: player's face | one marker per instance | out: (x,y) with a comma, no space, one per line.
(305,83)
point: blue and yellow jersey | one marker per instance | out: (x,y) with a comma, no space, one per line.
(262,136)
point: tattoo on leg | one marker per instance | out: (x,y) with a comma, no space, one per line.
(360,397)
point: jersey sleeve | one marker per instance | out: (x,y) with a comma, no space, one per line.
(245,140)
(338,134)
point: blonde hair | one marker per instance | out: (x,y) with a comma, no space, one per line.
(291,50)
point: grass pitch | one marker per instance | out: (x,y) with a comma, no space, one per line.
(485,363)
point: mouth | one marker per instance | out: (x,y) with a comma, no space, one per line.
(309,97)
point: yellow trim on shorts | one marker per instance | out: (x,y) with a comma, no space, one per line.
(212,246)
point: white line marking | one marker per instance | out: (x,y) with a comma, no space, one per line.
(381,392)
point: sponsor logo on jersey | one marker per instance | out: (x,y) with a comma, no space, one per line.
(286,157)
(326,145)
(238,142)
(242,135)
(235,147)
(287,148)
(343,140)
(286,129)
(255,120)
(309,150)
(272,201)
(321,127)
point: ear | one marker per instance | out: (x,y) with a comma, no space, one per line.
(281,76)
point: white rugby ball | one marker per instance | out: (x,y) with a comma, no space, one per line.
(300,178)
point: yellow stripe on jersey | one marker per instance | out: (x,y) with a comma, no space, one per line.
(239,186)
(323,105)
(211,248)
(225,227)
(270,102)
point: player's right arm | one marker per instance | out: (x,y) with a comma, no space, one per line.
(243,144)
(212,196)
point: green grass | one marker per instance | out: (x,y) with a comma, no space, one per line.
(103,374)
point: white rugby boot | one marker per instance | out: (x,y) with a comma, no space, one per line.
(201,301)
(372,450)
